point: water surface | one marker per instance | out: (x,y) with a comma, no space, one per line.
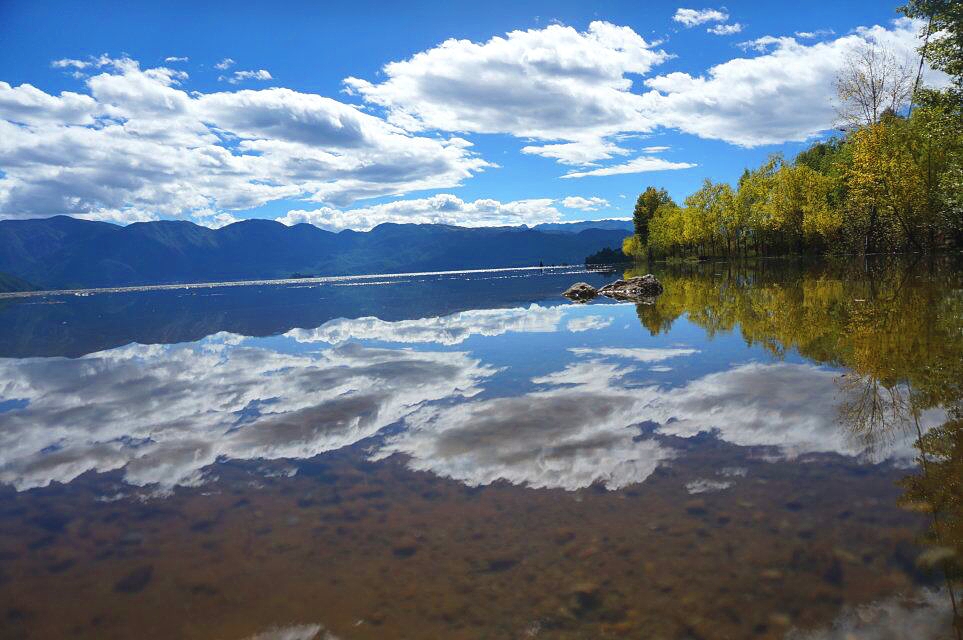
(770,450)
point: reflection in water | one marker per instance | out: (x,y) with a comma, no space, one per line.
(165,413)
(926,616)
(777,454)
(447,330)
(573,435)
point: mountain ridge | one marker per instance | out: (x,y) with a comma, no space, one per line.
(63,252)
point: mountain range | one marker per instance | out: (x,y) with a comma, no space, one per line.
(63,252)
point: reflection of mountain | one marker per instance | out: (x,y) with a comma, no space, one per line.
(72,326)
(164,413)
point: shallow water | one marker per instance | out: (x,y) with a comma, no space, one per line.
(472,456)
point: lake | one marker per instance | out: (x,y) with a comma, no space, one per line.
(770,449)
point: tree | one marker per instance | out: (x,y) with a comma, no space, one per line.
(873,82)
(943,39)
(649,200)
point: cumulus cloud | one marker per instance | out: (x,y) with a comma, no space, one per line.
(818,33)
(552,84)
(725,29)
(642,164)
(138,145)
(583,152)
(176,59)
(693,17)
(226,63)
(241,76)
(570,93)
(164,413)
(593,203)
(783,94)
(443,208)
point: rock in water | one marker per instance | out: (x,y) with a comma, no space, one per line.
(646,286)
(580,292)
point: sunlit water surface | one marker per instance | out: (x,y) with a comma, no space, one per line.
(472,456)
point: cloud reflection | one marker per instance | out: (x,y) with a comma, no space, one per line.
(163,413)
(570,436)
(581,428)
(447,330)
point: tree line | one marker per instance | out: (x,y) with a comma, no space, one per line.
(892,181)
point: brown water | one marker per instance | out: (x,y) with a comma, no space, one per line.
(741,459)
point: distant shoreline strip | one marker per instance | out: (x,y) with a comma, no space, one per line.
(253,283)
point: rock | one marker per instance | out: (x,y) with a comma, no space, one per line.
(584,596)
(646,286)
(580,292)
(136,580)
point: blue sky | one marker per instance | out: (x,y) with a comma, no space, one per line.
(308,119)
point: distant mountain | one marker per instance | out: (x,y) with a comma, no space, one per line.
(625,226)
(63,252)
(10,283)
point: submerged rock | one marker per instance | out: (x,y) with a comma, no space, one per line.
(580,292)
(646,286)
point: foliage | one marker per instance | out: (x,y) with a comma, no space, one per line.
(895,185)
(944,44)
(606,256)
(645,207)
(892,183)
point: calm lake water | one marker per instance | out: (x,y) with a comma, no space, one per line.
(770,450)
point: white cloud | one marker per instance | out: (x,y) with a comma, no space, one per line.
(654,149)
(226,63)
(553,84)
(138,145)
(176,59)
(725,29)
(570,94)
(582,152)
(693,17)
(593,203)
(642,164)
(240,76)
(818,33)
(91,62)
(785,94)
(439,209)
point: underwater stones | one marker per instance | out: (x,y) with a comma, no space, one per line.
(136,580)
(583,596)
(405,547)
(580,292)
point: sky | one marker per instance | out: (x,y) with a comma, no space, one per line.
(348,115)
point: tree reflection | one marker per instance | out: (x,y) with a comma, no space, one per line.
(896,329)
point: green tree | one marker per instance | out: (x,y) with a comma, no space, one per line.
(649,200)
(945,52)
